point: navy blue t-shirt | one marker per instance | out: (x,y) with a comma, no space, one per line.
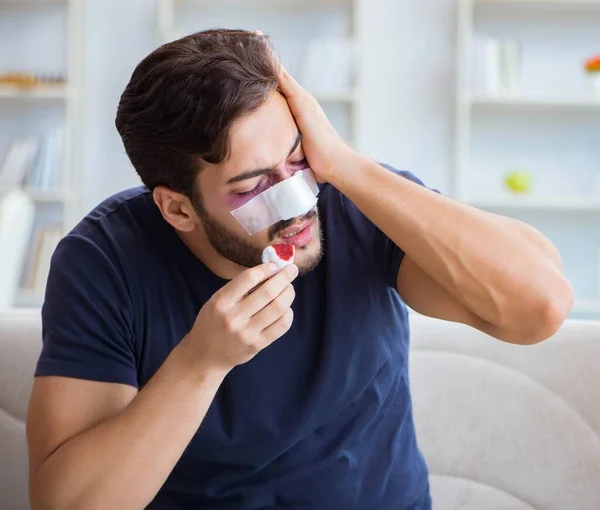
(321,419)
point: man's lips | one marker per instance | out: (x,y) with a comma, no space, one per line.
(294,229)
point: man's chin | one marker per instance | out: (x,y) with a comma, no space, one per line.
(308,257)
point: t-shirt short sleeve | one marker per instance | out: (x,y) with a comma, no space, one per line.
(378,246)
(86,316)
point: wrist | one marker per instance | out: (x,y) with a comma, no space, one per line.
(348,171)
(189,364)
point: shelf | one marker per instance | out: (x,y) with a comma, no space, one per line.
(560,203)
(32,3)
(348,96)
(53,92)
(56,196)
(281,4)
(28,299)
(524,102)
(48,196)
(587,306)
(577,4)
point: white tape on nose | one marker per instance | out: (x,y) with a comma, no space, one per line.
(286,200)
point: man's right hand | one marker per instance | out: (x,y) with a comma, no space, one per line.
(244,317)
(76,428)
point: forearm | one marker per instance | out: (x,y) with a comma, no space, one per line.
(122,463)
(503,271)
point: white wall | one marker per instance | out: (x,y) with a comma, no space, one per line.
(406,71)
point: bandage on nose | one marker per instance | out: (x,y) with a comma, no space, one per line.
(286,200)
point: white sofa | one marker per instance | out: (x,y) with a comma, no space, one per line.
(502,427)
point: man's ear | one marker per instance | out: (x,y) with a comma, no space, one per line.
(176,209)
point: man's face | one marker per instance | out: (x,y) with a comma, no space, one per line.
(266,149)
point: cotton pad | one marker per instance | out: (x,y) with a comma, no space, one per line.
(280,254)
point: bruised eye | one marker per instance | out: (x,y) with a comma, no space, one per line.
(261,186)
(302,163)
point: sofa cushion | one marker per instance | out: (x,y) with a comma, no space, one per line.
(20,344)
(502,427)
(524,421)
(454,493)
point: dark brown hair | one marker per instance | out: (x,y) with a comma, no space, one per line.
(178,108)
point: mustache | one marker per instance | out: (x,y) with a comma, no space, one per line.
(282,225)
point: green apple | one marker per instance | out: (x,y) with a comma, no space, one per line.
(518,182)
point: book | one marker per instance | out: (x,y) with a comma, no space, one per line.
(50,239)
(46,172)
(18,162)
(44,243)
(35,248)
(495,65)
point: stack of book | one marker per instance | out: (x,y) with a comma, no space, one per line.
(31,80)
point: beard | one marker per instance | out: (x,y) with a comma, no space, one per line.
(239,250)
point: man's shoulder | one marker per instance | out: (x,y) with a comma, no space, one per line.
(119,224)
(115,210)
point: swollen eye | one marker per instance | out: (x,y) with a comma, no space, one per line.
(302,162)
(242,193)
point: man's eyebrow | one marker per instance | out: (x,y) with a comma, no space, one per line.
(296,143)
(251,174)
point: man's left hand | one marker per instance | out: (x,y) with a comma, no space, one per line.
(326,151)
(323,147)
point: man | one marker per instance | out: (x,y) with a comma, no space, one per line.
(178,371)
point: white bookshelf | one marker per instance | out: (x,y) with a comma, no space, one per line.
(291,26)
(58,196)
(280,4)
(558,203)
(564,4)
(342,96)
(38,36)
(532,103)
(545,125)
